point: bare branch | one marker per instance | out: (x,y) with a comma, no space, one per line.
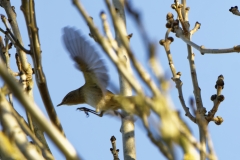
(202,49)
(140,70)
(217,99)
(13,130)
(28,9)
(14,26)
(234,10)
(196,28)
(119,23)
(114,150)
(176,77)
(212,154)
(10,150)
(60,141)
(108,49)
(44,148)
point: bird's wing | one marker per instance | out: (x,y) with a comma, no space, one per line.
(87,59)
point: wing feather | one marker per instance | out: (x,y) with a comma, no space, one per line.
(87,59)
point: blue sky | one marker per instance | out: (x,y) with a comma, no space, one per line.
(91,136)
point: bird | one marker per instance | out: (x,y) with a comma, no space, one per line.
(87,60)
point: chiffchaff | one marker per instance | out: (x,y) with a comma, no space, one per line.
(88,61)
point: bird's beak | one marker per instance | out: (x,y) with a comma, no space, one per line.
(59,104)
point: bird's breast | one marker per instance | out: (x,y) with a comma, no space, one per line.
(94,97)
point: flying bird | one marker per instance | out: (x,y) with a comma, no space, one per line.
(95,73)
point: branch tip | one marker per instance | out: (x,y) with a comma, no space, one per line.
(187,8)
(173,6)
(237,48)
(221,98)
(170,16)
(218,120)
(102,14)
(179,73)
(180,5)
(161,42)
(113,139)
(170,39)
(202,47)
(213,97)
(220,82)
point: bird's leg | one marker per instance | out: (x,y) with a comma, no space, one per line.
(86,110)
(117,113)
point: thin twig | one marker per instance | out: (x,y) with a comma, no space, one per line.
(29,14)
(196,28)
(159,143)
(234,10)
(200,114)
(14,26)
(212,155)
(108,32)
(176,77)
(150,47)
(140,70)
(127,127)
(217,99)
(114,150)
(202,49)
(108,49)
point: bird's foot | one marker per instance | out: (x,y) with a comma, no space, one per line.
(87,110)
(118,114)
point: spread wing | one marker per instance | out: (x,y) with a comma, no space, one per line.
(87,59)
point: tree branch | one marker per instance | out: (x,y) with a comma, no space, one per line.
(202,49)
(14,131)
(127,129)
(234,10)
(28,103)
(176,77)
(114,150)
(29,14)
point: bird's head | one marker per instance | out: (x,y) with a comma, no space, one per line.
(72,98)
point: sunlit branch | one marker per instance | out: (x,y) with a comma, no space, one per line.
(140,70)
(158,142)
(119,50)
(200,113)
(212,155)
(30,133)
(178,8)
(217,120)
(28,10)
(195,29)
(176,77)
(14,26)
(183,9)
(128,127)
(55,135)
(114,150)
(202,49)
(194,142)
(150,47)
(217,99)
(108,32)
(10,150)
(108,49)
(13,130)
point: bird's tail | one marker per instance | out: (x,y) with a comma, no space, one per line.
(132,104)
